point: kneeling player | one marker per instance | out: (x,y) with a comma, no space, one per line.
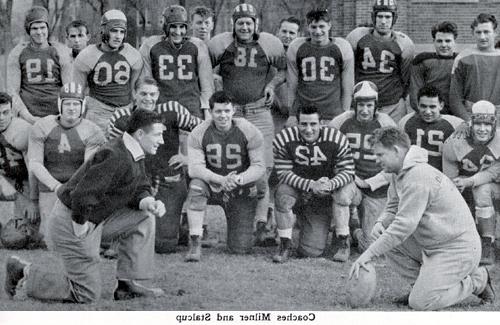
(358,126)
(468,161)
(226,158)
(314,164)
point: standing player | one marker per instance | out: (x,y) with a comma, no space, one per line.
(467,161)
(320,70)
(245,57)
(427,127)
(476,71)
(37,69)
(358,126)
(314,164)
(226,158)
(179,64)
(109,69)
(383,56)
(165,168)
(434,68)
(426,230)
(77,36)
(58,146)
(202,23)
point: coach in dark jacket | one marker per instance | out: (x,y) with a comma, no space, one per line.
(110,197)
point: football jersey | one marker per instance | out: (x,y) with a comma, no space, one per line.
(108,74)
(463,158)
(246,68)
(175,117)
(239,150)
(385,62)
(475,76)
(37,75)
(359,134)
(184,73)
(317,73)
(61,151)
(430,136)
(13,147)
(298,162)
(434,70)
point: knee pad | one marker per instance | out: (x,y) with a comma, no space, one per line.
(483,195)
(347,195)
(284,202)
(196,199)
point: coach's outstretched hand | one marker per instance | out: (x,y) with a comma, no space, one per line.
(360,262)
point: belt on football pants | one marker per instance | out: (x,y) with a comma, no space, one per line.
(253,107)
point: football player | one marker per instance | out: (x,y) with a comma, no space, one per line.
(469,163)
(164,168)
(77,36)
(434,68)
(476,71)
(180,64)
(202,22)
(358,126)
(109,69)
(383,56)
(320,70)
(245,57)
(427,127)
(314,164)
(226,158)
(58,146)
(37,69)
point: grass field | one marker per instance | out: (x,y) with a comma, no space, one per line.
(230,282)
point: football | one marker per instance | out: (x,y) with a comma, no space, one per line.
(360,291)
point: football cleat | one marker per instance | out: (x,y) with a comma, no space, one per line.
(284,251)
(344,251)
(14,272)
(194,254)
(130,289)
(488,295)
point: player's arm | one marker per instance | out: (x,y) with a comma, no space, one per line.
(197,162)
(457,90)
(255,149)
(407,56)
(145,51)
(185,120)
(94,139)
(135,73)
(65,63)
(344,163)
(80,70)
(7,191)
(347,74)
(292,80)
(449,159)
(117,124)
(417,80)
(205,75)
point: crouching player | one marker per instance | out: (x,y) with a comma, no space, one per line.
(468,161)
(372,184)
(226,158)
(314,164)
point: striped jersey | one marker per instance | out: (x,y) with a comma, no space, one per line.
(298,162)
(13,147)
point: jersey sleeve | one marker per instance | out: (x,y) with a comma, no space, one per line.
(83,64)
(217,45)
(407,55)
(453,120)
(417,80)
(204,73)
(118,123)
(385,120)
(14,79)
(355,35)
(450,159)
(347,72)
(292,72)
(457,88)
(65,62)
(92,137)
(134,58)
(274,50)
(255,149)
(145,51)
(344,163)
(404,120)
(339,120)
(196,156)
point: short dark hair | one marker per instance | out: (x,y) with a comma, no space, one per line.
(483,18)
(390,136)
(292,20)
(202,11)
(317,14)
(429,91)
(220,97)
(142,119)
(445,27)
(77,24)
(308,110)
(5,98)
(145,81)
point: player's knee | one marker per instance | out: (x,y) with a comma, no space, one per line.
(346,195)
(483,195)
(422,302)
(262,187)
(284,202)
(197,196)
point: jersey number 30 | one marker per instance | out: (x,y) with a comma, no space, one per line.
(326,66)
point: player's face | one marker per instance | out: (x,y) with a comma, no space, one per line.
(177,32)
(202,26)
(39,33)
(71,110)
(222,114)
(78,38)
(5,116)
(383,22)
(288,32)
(365,110)
(146,97)
(151,138)
(116,36)
(482,132)
(244,29)
(309,127)
(485,36)
(389,159)
(429,108)
(319,31)
(444,43)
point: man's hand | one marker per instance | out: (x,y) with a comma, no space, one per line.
(463,182)
(80,230)
(377,230)
(229,182)
(360,262)
(177,161)
(29,208)
(269,94)
(291,121)
(361,183)
(155,207)
(462,131)
(322,187)
(7,191)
